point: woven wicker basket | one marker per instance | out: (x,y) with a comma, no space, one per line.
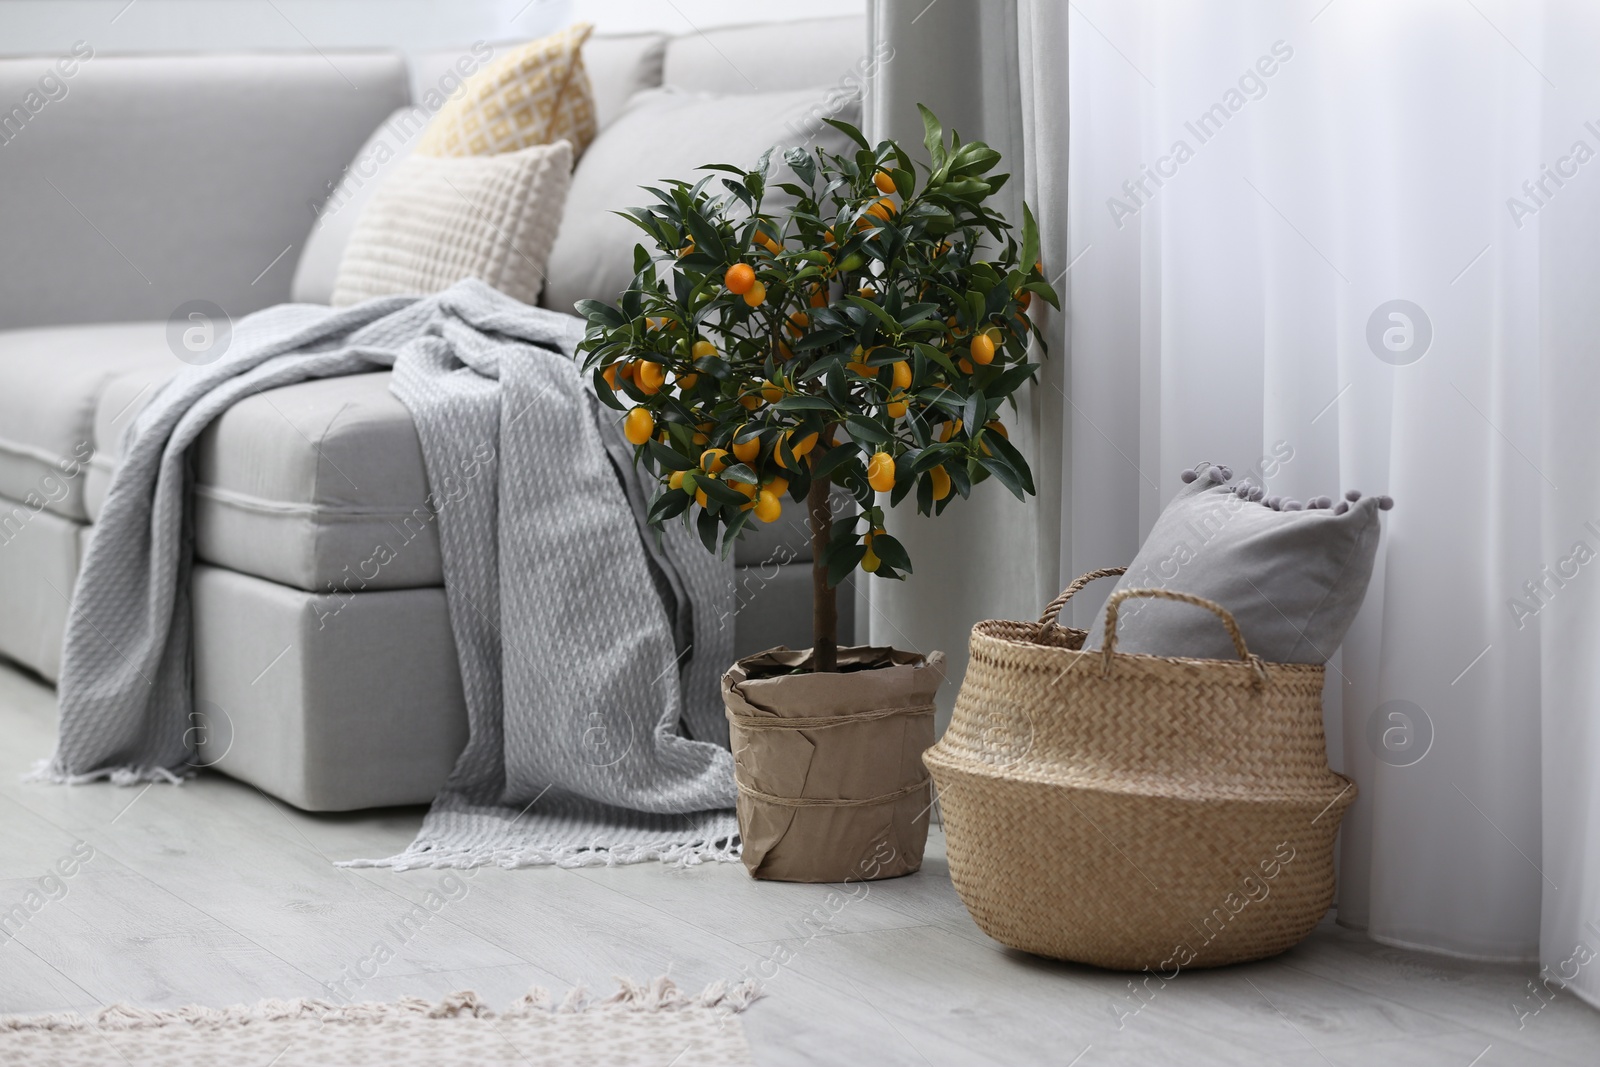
(1135,811)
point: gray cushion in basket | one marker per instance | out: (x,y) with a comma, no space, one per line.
(1293,578)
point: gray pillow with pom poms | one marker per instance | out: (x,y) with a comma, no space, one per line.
(1293,574)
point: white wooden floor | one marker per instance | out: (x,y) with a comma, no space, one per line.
(212,893)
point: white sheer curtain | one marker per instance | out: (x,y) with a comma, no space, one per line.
(1247,195)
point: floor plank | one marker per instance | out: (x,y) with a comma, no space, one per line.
(214,893)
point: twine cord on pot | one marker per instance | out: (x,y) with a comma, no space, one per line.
(825,802)
(822,722)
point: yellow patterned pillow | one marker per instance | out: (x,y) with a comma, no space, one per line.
(536,94)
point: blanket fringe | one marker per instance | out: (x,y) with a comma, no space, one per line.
(656,995)
(670,853)
(46,770)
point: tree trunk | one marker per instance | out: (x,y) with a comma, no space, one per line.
(824,598)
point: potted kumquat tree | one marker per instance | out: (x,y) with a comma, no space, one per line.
(865,336)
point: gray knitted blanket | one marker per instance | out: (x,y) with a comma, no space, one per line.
(590,653)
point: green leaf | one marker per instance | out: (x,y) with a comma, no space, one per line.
(902,157)
(739,472)
(983,277)
(720,491)
(1003,472)
(891,552)
(668,457)
(974,412)
(967,188)
(974,157)
(819,339)
(784,457)
(937,355)
(682,436)
(975,304)
(917,313)
(802,164)
(834,458)
(849,131)
(707,525)
(599,313)
(932,137)
(605,393)
(706,237)
(888,320)
(959,480)
(1011,379)
(844,533)
(803,403)
(864,429)
(931,457)
(715,366)
(738,189)
(735,526)
(1014,459)
(1030,239)
(842,560)
(821,367)
(667,505)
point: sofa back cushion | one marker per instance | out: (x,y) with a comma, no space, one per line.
(138,184)
(620,65)
(768,57)
(389,144)
(667,133)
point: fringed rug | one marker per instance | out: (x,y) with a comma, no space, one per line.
(654,1024)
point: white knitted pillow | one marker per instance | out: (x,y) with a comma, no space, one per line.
(435,221)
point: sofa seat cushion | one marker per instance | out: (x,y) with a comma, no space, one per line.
(318,486)
(321,486)
(39,555)
(51,380)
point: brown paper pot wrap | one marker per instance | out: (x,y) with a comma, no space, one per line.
(1136,811)
(829,766)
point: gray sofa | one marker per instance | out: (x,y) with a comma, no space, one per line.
(323,677)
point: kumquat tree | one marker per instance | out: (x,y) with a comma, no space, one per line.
(867,337)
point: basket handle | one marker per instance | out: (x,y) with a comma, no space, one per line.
(1108,647)
(1052,610)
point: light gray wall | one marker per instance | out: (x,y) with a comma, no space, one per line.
(35,27)
(49,27)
